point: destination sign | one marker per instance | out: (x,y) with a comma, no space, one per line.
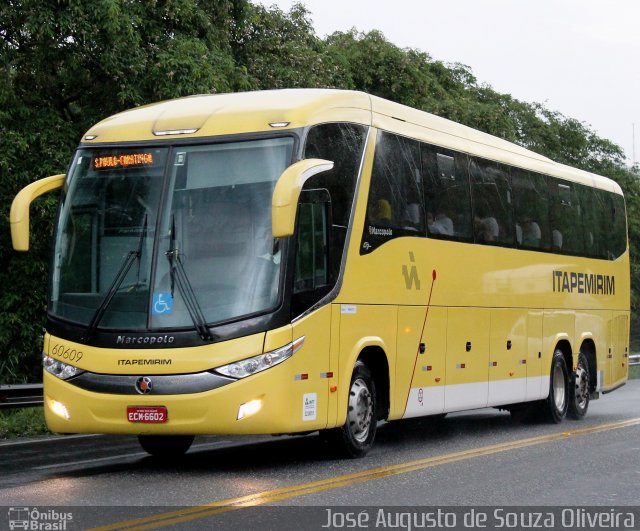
(124,160)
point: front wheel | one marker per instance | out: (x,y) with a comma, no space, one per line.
(557,402)
(579,390)
(356,437)
(165,445)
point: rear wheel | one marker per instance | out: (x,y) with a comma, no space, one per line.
(165,445)
(356,437)
(557,402)
(579,390)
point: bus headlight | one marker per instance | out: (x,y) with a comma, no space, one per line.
(244,368)
(64,371)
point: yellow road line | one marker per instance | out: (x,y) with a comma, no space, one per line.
(270,496)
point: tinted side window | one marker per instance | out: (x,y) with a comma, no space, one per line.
(593,213)
(395,207)
(567,232)
(446,191)
(311,248)
(531,206)
(492,203)
(619,227)
(343,144)
(312,279)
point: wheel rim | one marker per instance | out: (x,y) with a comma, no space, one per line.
(582,387)
(559,395)
(360,410)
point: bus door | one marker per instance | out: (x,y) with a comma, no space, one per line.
(508,356)
(620,348)
(312,281)
(537,382)
(608,376)
(467,367)
(421,360)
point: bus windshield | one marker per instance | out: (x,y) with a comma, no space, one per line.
(129,256)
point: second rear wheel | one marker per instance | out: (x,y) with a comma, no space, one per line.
(579,391)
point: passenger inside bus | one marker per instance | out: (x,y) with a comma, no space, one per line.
(411,221)
(528,233)
(486,229)
(382,214)
(440,224)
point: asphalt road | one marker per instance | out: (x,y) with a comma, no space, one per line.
(472,459)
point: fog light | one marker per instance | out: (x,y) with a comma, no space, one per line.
(59,409)
(249,408)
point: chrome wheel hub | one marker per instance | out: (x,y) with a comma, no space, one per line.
(582,386)
(360,414)
(559,394)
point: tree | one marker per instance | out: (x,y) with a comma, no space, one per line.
(65,65)
(280,50)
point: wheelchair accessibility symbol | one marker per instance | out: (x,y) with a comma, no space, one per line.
(162,303)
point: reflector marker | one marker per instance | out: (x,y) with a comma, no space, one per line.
(297,344)
(523,362)
(303,376)
(427,368)
(460,366)
(493,364)
(326,374)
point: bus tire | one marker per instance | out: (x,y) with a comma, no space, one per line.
(557,402)
(355,438)
(579,390)
(165,445)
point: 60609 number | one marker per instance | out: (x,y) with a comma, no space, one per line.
(65,353)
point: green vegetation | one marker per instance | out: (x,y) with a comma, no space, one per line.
(27,422)
(67,64)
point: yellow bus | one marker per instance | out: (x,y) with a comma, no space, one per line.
(319,260)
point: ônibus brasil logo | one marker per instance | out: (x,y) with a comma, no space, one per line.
(37,520)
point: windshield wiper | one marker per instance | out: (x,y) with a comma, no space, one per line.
(179,277)
(131,257)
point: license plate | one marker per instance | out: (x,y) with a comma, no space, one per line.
(147,414)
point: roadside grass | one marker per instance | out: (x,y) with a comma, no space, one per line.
(26,422)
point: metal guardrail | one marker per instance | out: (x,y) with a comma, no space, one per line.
(24,395)
(634,359)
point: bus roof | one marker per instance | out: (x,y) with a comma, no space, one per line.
(226,114)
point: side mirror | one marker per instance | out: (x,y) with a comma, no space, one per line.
(19,216)
(287,192)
